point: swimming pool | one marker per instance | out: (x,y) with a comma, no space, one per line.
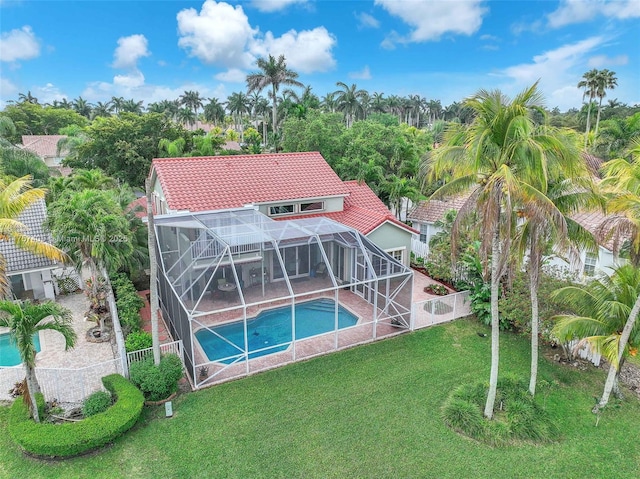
(9,355)
(270,331)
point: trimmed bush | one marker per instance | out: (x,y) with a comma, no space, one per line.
(96,403)
(157,382)
(72,439)
(138,340)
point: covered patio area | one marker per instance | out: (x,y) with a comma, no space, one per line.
(246,293)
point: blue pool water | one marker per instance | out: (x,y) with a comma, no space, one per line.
(270,331)
(9,355)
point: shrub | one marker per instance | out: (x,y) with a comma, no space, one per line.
(517,416)
(438,289)
(157,382)
(137,340)
(96,403)
(71,439)
(128,303)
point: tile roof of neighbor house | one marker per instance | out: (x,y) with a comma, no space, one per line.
(222,182)
(42,145)
(139,207)
(363,210)
(18,259)
(433,210)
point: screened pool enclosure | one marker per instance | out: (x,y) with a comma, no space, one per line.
(246,293)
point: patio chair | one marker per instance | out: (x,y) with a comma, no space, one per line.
(320,270)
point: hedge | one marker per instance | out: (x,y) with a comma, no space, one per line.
(72,439)
(128,302)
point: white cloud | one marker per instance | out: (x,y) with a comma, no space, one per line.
(430,20)
(306,51)
(274,5)
(558,71)
(221,35)
(578,11)
(19,44)
(48,93)
(487,38)
(364,74)
(232,76)
(366,21)
(601,61)
(130,49)
(131,80)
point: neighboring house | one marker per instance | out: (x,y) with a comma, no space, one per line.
(46,147)
(426,213)
(263,260)
(281,186)
(30,275)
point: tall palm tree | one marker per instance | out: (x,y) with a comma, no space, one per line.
(27,98)
(94,179)
(238,106)
(192,100)
(328,103)
(26,319)
(102,109)
(606,318)
(186,116)
(590,84)
(606,80)
(132,106)
(546,222)
(348,100)
(378,103)
(15,197)
(273,72)
(214,111)
(117,102)
(499,161)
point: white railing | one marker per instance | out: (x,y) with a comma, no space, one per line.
(419,249)
(209,248)
(440,310)
(174,347)
(61,384)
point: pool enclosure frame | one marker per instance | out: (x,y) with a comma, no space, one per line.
(220,267)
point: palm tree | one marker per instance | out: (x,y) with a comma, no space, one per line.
(616,137)
(606,318)
(90,226)
(171,149)
(590,84)
(191,100)
(328,103)
(186,116)
(132,106)
(28,98)
(15,197)
(546,222)
(82,107)
(606,80)
(622,189)
(398,189)
(499,161)
(117,102)
(272,73)
(26,319)
(94,179)
(378,103)
(349,101)
(214,111)
(238,106)
(102,109)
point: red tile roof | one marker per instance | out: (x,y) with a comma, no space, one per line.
(139,207)
(363,210)
(222,182)
(42,145)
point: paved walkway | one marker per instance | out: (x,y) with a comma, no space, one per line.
(53,355)
(145,314)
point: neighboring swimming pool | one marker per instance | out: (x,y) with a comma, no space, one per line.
(273,327)
(9,355)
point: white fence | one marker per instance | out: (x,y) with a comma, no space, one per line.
(440,310)
(63,385)
(419,249)
(174,347)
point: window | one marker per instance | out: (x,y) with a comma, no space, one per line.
(397,254)
(424,231)
(590,262)
(315,206)
(280,210)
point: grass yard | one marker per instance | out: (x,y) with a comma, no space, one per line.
(369,412)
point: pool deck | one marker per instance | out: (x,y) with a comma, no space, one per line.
(52,353)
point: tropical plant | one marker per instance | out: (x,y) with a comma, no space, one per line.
(273,72)
(191,100)
(348,100)
(606,318)
(499,160)
(606,80)
(15,197)
(26,319)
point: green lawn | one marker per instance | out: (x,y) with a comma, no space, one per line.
(370,412)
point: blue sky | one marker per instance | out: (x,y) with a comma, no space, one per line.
(446,50)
